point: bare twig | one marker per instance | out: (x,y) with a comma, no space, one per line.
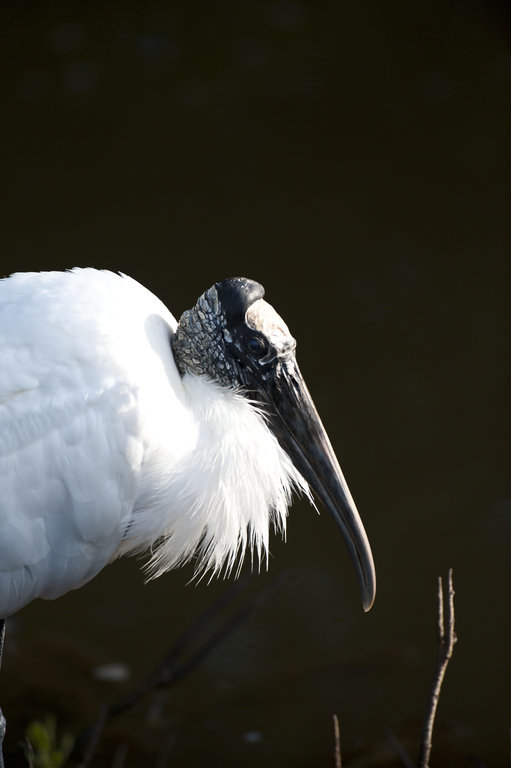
(29,752)
(120,756)
(180,661)
(94,734)
(446,641)
(399,749)
(162,759)
(337,743)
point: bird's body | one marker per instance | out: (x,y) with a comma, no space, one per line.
(106,447)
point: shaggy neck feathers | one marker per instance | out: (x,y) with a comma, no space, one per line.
(225,492)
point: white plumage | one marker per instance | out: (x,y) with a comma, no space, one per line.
(105,448)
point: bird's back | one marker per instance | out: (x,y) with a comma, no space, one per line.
(84,358)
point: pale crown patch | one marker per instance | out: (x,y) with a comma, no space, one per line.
(262,317)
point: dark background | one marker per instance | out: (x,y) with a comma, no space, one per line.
(353,157)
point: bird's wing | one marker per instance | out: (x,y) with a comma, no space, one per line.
(70,443)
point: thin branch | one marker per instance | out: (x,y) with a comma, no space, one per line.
(180,661)
(399,749)
(446,641)
(94,734)
(337,743)
(2,637)
(29,752)
(440,620)
(162,759)
(120,756)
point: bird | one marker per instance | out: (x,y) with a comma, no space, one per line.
(123,431)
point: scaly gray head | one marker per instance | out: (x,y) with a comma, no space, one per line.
(235,338)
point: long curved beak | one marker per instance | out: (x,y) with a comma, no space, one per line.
(296,424)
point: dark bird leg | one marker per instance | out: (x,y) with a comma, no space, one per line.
(2,718)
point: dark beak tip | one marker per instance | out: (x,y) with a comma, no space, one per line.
(367,578)
(368,600)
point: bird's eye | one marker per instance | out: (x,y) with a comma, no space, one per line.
(256,346)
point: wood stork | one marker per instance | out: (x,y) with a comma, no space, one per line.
(124,431)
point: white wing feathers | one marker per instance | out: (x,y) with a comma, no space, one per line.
(71,348)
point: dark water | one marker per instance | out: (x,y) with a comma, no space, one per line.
(353,157)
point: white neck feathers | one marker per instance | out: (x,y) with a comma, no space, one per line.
(222,495)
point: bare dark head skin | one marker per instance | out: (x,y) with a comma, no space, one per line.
(245,344)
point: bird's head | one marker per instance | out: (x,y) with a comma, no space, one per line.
(237,339)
